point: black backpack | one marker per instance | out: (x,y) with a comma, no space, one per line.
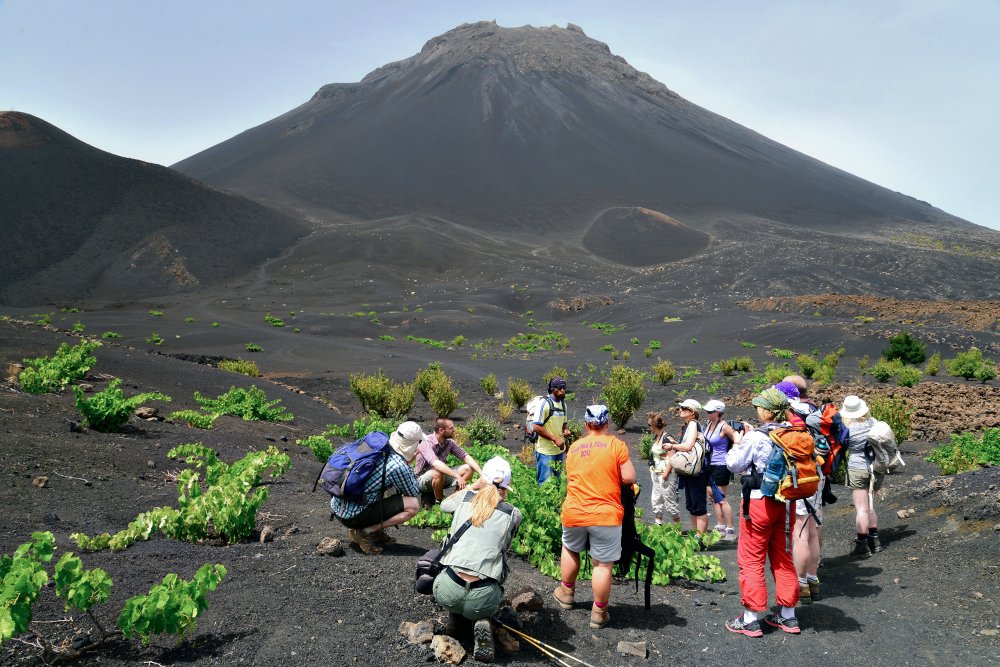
(632,546)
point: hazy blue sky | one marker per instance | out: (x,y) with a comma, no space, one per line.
(905,93)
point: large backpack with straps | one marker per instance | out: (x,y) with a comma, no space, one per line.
(529,420)
(348,469)
(633,548)
(792,471)
(692,462)
(826,424)
(881,449)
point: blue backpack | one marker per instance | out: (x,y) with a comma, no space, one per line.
(348,469)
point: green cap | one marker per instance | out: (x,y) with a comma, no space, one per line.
(771,400)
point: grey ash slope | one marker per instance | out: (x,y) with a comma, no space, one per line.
(79,223)
(513,127)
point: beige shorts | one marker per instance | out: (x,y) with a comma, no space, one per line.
(858,478)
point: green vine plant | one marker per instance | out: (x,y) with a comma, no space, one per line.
(171,607)
(250,404)
(53,374)
(223,507)
(108,410)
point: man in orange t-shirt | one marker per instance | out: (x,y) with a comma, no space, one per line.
(596,467)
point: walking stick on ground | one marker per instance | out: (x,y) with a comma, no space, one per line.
(544,648)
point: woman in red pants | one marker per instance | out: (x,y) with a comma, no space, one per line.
(762,536)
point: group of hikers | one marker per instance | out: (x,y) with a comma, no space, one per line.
(780,524)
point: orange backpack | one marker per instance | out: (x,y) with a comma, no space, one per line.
(801,477)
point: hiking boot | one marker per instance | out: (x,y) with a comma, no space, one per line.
(564,596)
(789,625)
(382,537)
(814,590)
(482,649)
(860,549)
(874,544)
(805,594)
(455,625)
(751,629)
(599,617)
(364,541)
(730,535)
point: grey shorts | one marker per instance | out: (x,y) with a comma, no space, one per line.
(424,481)
(605,542)
(859,478)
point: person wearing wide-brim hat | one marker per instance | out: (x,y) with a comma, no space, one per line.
(861,479)
(762,536)
(367,521)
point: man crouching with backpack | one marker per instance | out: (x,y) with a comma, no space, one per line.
(367,521)
(762,528)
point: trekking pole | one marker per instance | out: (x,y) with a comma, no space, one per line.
(542,646)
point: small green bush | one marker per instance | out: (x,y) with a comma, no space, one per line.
(156,313)
(645,446)
(110,334)
(194,418)
(966,452)
(748,345)
(78,328)
(663,371)
(654,345)
(971,364)
(519,391)
(189,320)
(215,325)
(458,340)
(427,377)
(727,366)
(908,376)
(273,321)
(896,412)
(883,370)
(933,364)
(906,348)
(381,396)
(108,410)
(744,364)
(442,396)
(648,352)
(253,347)
(606,348)
(250,404)
(775,374)
(782,353)
(807,365)
(241,366)
(483,430)
(155,339)
(624,392)
(52,374)
(634,340)
(489,384)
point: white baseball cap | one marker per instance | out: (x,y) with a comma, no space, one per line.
(497,471)
(715,405)
(690,404)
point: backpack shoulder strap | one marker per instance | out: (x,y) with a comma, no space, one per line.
(453,540)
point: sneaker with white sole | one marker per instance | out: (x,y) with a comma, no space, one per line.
(789,625)
(730,535)
(751,629)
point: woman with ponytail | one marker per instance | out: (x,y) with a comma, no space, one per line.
(470,586)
